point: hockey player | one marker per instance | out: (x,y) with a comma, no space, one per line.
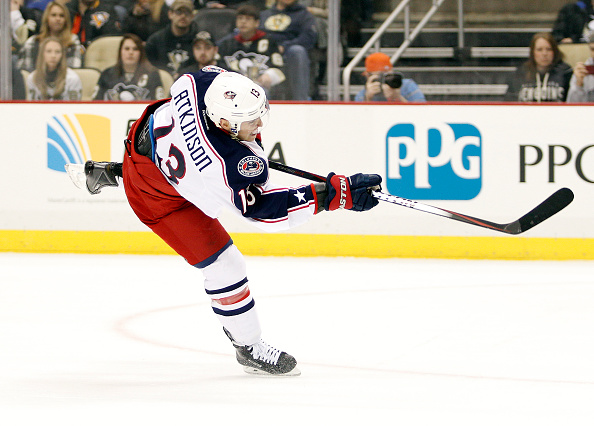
(189,157)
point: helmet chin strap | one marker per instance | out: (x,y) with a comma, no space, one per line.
(225,126)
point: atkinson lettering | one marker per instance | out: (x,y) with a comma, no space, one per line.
(187,122)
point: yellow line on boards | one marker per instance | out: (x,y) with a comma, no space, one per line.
(256,244)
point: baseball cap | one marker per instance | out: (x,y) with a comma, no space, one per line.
(203,36)
(378,62)
(185,4)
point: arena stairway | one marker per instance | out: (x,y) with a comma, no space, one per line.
(444,72)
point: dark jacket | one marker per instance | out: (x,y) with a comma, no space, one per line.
(571,20)
(98,21)
(258,54)
(143,25)
(293,25)
(166,51)
(18,84)
(551,86)
(115,87)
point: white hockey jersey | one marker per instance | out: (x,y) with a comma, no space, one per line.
(214,171)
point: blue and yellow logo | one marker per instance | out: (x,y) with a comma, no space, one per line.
(76,138)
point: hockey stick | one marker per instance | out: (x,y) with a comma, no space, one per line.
(552,205)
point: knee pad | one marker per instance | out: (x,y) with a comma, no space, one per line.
(228,269)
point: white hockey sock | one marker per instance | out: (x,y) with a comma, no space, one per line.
(226,284)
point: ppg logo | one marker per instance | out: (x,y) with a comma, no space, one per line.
(434,163)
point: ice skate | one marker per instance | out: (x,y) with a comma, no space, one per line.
(265,360)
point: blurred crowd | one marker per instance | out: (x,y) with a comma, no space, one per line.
(280,44)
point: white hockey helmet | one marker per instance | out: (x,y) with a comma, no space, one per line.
(237,99)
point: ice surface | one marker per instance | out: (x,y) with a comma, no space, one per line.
(131,340)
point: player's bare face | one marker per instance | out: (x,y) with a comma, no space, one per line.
(56,20)
(130,54)
(543,54)
(249,130)
(52,54)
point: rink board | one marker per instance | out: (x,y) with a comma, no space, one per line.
(491,161)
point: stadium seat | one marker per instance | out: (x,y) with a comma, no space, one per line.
(89,78)
(167,81)
(25,75)
(102,52)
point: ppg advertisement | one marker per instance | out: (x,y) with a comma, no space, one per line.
(436,163)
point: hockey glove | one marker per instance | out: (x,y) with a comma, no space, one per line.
(351,193)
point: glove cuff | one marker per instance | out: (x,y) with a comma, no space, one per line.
(320,191)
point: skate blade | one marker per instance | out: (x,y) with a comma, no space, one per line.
(76,172)
(256,372)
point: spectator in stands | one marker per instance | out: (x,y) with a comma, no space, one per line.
(251,52)
(170,49)
(146,17)
(572,23)
(353,14)
(319,54)
(39,4)
(92,19)
(205,53)
(581,85)
(544,77)
(385,84)
(24,22)
(132,78)
(54,23)
(291,26)
(52,79)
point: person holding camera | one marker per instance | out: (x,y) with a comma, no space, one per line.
(581,85)
(385,84)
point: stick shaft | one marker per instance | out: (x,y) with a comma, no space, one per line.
(295,172)
(552,205)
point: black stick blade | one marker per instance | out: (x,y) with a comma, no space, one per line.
(552,205)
